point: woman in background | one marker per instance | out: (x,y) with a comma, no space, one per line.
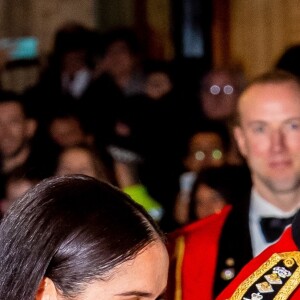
(214,187)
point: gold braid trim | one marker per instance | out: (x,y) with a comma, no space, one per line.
(179,253)
(287,289)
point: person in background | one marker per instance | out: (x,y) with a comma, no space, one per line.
(273,274)
(68,71)
(16,131)
(216,186)
(81,159)
(159,79)
(132,121)
(267,132)
(66,129)
(74,237)
(219,92)
(206,147)
(18,182)
(116,76)
(150,138)
(128,180)
(20,142)
(122,60)
(217,98)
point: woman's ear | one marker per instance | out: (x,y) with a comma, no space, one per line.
(46,290)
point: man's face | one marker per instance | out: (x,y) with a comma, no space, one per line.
(218,96)
(118,58)
(157,85)
(13,129)
(76,161)
(269,135)
(66,131)
(205,150)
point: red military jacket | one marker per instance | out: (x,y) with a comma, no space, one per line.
(274,274)
(195,245)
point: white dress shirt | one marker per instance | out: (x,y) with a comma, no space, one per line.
(259,208)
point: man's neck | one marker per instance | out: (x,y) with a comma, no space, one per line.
(285,201)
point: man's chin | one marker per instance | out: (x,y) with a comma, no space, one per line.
(284,186)
(282,183)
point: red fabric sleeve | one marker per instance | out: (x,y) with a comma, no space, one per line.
(193,255)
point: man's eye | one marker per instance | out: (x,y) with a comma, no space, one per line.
(258,129)
(294,125)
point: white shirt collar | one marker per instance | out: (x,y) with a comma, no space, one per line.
(259,207)
(262,208)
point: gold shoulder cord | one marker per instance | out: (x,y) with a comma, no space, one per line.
(286,290)
(179,253)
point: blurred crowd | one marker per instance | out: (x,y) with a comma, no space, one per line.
(101,107)
(220,149)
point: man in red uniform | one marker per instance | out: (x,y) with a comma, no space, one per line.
(207,255)
(274,274)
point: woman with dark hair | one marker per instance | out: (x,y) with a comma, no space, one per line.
(74,237)
(216,186)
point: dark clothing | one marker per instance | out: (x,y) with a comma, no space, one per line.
(157,134)
(99,107)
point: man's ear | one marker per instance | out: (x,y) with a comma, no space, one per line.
(240,140)
(31,127)
(46,290)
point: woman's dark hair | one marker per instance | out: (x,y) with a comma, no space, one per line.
(71,229)
(232,182)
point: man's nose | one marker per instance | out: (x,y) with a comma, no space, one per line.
(277,140)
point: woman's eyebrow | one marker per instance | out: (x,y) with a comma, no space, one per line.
(139,293)
(136,293)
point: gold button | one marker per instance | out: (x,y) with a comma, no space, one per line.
(288,262)
(229,262)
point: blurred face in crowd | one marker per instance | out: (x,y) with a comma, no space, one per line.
(73,61)
(157,85)
(218,95)
(14,190)
(81,160)
(76,161)
(269,136)
(67,132)
(15,129)
(143,278)
(118,59)
(207,201)
(205,149)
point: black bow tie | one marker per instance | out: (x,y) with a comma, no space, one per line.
(272,228)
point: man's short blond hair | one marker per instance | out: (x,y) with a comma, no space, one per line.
(272,77)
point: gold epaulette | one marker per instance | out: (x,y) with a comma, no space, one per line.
(276,279)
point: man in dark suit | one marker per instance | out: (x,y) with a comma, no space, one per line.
(206,256)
